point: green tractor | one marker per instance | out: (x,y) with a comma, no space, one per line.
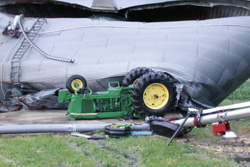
(143,92)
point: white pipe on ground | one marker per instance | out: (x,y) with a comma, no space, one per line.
(47,128)
(218,117)
(228,107)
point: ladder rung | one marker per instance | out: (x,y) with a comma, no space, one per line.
(14,70)
(18,55)
(22,46)
(15,67)
(15,63)
(29,34)
(22,49)
(26,45)
(16,58)
(18,52)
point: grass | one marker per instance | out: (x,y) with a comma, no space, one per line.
(241,127)
(242,93)
(64,150)
(42,150)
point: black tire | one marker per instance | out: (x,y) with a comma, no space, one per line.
(133,75)
(72,79)
(116,132)
(148,80)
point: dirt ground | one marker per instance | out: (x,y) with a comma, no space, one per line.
(49,117)
(238,149)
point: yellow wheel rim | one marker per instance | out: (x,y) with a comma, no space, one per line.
(76,84)
(156,96)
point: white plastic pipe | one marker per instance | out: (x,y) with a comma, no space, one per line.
(228,107)
(47,128)
(218,117)
(16,20)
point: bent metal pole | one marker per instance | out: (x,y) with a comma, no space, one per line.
(47,128)
(218,117)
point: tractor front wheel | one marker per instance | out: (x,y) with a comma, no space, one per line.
(76,82)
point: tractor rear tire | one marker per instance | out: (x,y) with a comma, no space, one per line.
(132,77)
(75,82)
(153,94)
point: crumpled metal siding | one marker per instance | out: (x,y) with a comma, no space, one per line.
(124,4)
(211,58)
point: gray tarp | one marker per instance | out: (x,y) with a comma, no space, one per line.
(211,58)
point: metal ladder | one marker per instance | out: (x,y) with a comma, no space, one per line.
(16,59)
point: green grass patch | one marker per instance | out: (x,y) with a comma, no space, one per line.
(153,151)
(241,93)
(42,150)
(241,127)
(67,151)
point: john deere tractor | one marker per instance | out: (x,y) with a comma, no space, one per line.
(143,92)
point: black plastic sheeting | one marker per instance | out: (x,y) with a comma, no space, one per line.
(176,12)
(44,99)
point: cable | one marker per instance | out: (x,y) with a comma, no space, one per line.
(40,50)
